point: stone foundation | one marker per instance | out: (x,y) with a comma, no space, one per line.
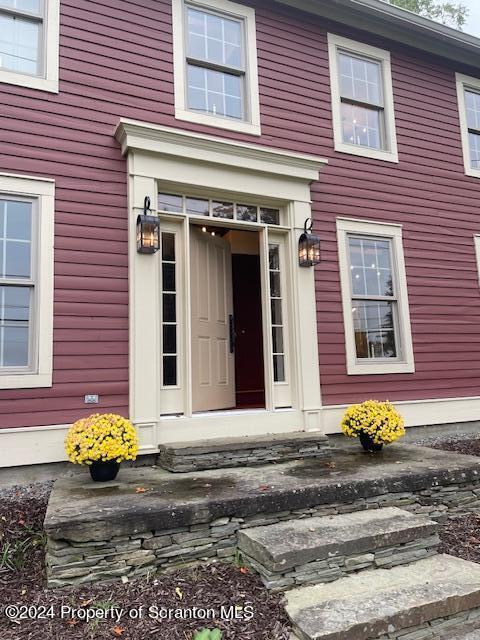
(438,629)
(70,562)
(340,566)
(243,452)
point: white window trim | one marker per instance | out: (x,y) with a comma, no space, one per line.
(336,43)
(252,100)
(394,233)
(465,82)
(476,240)
(48,81)
(43,191)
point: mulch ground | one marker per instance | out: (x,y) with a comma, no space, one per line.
(209,587)
(468,446)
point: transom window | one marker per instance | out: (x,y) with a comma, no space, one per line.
(17,283)
(211,208)
(22,36)
(362,99)
(374,303)
(215,63)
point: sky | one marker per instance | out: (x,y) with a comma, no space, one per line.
(473,24)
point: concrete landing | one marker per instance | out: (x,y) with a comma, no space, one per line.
(383,603)
(81,510)
(282,546)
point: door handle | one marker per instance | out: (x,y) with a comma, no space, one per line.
(232,334)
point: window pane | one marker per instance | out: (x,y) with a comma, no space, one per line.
(169,371)
(168,275)
(169,338)
(19,44)
(17,259)
(279,368)
(277,336)
(275,290)
(168,247)
(214,38)
(215,92)
(19,220)
(277,311)
(360,79)
(274,257)
(247,213)
(472,102)
(374,329)
(361,125)
(196,207)
(167,202)
(15,346)
(370,267)
(269,216)
(474,141)
(16,304)
(222,210)
(32,6)
(169,307)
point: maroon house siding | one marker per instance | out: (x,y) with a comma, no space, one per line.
(116,61)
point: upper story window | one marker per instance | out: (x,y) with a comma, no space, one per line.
(29,43)
(26,281)
(468,90)
(362,99)
(215,65)
(375,301)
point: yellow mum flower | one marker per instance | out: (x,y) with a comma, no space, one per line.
(380,420)
(101,437)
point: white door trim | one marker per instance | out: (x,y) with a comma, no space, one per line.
(183,161)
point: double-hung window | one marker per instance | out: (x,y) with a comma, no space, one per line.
(215,63)
(362,99)
(468,90)
(375,301)
(26,281)
(29,43)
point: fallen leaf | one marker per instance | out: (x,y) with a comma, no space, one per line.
(179,592)
(85,603)
(118,631)
(264,487)
(140,490)
(331,465)
(72,622)
(21,522)
(243,570)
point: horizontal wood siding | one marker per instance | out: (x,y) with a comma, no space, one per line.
(116,61)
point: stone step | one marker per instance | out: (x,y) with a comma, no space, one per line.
(322,549)
(421,601)
(182,457)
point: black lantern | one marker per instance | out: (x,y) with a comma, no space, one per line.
(308,246)
(148,230)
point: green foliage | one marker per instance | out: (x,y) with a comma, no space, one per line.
(208,634)
(453,14)
(13,554)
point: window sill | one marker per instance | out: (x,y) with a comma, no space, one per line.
(374,154)
(31,82)
(380,368)
(220,123)
(473,173)
(25,380)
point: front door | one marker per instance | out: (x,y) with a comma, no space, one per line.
(213,360)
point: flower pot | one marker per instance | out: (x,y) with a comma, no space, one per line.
(368,444)
(104,471)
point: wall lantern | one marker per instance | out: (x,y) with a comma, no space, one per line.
(308,246)
(148,230)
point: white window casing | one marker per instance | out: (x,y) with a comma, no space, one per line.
(379,104)
(469,122)
(245,71)
(40,194)
(41,34)
(402,361)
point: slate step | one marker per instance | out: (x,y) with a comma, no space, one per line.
(182,457)
(323,549)
(421,601)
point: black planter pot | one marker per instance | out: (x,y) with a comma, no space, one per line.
(104,471)
(368,444)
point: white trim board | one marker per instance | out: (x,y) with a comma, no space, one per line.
(463,83)
(44,444)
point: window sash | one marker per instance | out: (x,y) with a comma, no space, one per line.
(350,99)
(209,64)
(36,18)
(392,299)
